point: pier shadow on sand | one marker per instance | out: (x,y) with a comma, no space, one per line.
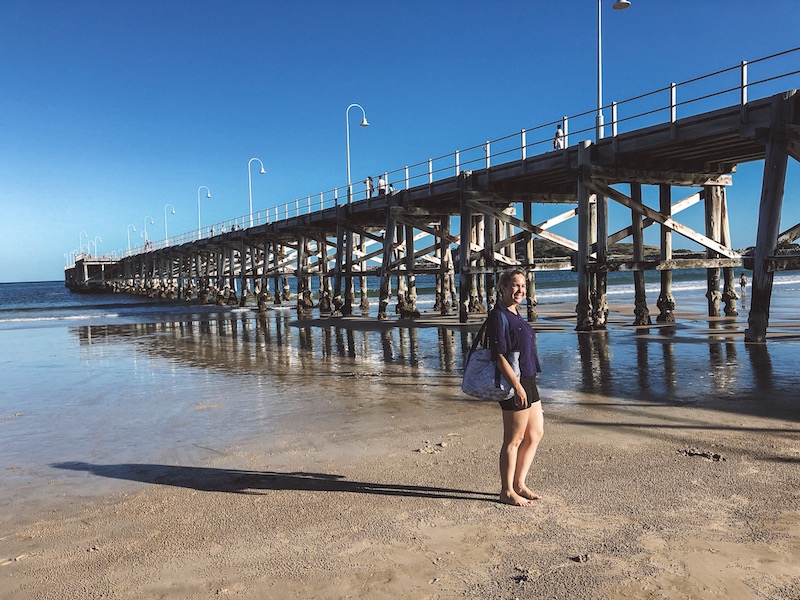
(234,481)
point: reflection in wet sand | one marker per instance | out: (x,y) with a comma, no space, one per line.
(669,365)
(762,366)
(277,344)
(595,361)
(665,364)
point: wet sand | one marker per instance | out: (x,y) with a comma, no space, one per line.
(381,481)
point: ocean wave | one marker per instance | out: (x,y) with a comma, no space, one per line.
(59,318)
(780,284)
(35,308)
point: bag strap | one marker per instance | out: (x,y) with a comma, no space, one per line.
(478,336)
(504,330)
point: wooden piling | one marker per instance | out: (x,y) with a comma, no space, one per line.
(713,209)
(640,310)
(464,251)
(600,242)
(769,216)
(729,295)
(583,308)
(530,278)
(666,302)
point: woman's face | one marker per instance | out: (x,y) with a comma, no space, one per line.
(513,293)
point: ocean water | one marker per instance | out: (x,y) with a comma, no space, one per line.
(116,379)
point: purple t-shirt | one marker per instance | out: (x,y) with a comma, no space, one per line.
(521,338)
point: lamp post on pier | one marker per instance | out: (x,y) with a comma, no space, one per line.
(208,195)
(618,5)
(166,235)
(97,239)
(364,123)
(250,183)
(80,242)
(129,235)
(144,231)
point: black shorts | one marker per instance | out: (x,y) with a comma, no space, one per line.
(529,383)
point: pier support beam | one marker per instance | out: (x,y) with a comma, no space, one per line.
(769,217)
(713,208)
(464,279)
(666,302)
(530,278)
(584,307)
(362,280)
(640,310)
(600,275)
(386,262)
(729,295)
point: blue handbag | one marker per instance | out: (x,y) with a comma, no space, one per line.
(482,377)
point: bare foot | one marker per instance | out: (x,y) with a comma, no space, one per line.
(527,493)
(514,499)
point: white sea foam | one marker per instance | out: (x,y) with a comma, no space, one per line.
(60,318)
(786,283)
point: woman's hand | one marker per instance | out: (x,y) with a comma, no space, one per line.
(520,395)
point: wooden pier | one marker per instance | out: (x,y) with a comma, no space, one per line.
(479,222)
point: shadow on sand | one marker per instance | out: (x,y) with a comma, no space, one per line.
(235,481)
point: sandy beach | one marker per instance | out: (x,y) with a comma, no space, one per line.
(382,482)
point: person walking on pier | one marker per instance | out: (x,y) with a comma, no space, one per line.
(381,185)
(370,187)
(523,419)
(558,138)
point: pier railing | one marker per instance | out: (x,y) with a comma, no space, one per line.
(720,89)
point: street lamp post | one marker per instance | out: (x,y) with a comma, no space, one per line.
(97,239)
(129,235)
(619,5)
(80,241)
(208,195)
(250,183)
(166,235)
(144,230)
(347,131)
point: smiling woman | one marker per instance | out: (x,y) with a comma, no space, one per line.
(523,419)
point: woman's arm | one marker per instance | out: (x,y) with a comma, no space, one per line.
(520,396)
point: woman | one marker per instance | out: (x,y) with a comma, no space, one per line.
(523,419)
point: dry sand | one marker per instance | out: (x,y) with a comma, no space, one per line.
(638,502)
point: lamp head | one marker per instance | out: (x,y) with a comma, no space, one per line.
(208,195)
(621,4)
(173,211)
(364,122)
(262,171)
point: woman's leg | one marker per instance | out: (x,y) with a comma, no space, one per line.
(527,450)
(515,426)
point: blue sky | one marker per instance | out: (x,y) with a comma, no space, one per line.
(111,110)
